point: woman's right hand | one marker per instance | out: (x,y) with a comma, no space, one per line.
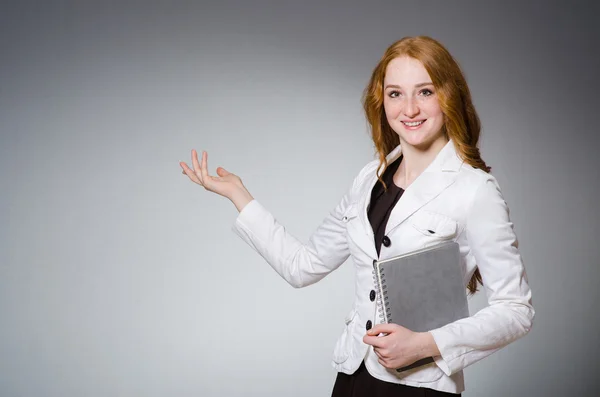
(226,184)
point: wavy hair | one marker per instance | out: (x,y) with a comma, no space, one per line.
(461,123)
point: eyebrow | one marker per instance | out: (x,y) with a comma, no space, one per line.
(416,85)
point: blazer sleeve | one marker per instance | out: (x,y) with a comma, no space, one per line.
(509,314)
(298,263)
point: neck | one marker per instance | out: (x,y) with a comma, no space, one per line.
(416,159)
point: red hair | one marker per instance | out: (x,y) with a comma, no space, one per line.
(461,123)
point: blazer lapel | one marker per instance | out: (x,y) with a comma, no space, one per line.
(367,243)
(365,199)
(437,177)
(424,189)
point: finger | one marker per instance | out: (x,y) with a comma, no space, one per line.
(190,173)
(381,352)
(383,328)
(183,167)
(195,162)
(204,166)
(200,169)
(382,362)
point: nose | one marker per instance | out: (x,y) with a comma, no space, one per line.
(411,109)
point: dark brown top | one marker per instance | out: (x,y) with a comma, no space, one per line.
(382,203)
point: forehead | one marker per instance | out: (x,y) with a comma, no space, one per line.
(405,71)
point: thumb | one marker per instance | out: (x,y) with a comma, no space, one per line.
(222,171)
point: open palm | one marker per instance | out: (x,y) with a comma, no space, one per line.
(226,184)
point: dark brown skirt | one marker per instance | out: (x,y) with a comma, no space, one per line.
(362,384)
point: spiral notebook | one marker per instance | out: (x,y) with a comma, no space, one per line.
(421,290)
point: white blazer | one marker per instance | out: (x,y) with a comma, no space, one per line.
(450,200)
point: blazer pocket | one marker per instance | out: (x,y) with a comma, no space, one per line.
(424,374)
(341,352)
(434,225)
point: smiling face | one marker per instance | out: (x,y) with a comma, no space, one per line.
(411,105)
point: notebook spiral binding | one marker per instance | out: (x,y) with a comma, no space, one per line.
(383,306)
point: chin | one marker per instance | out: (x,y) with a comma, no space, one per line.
(418,140)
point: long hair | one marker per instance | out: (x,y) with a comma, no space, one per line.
(461,123)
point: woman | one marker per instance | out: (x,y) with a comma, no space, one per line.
(429,185)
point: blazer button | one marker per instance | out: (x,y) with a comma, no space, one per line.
(386,241)
(369,325)
(374,262)
(372,295)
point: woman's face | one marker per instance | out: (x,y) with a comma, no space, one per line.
(411,105)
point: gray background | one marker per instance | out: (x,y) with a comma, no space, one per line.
(119,277)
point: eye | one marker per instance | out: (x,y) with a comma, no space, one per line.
(426,92)
(394,94)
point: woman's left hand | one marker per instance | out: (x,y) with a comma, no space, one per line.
(401,346)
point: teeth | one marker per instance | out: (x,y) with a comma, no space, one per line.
(413,123)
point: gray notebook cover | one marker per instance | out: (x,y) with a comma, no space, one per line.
(422,290)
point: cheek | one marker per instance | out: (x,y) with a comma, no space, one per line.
(434,109)
(392,110)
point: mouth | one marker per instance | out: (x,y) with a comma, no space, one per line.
(413,123)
